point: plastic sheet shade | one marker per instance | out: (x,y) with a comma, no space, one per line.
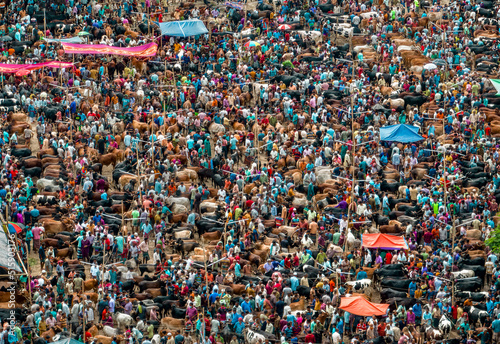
(183,28)
(403,133)
(384,241)
(358,305)
(145,50)
(20,69)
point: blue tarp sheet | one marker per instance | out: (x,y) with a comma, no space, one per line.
(183,28)
(403,133)
(234,5)
(66,40)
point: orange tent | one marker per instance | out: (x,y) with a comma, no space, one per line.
(358,305)
(384,241)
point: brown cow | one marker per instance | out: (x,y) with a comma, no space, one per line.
(172,323)
(238,289)
(300,305)
(211,236)
(90,284)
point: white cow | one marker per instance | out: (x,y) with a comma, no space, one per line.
(254,337)
(215,128)
(179,208)
(180,201)
(123,320)
(110,332)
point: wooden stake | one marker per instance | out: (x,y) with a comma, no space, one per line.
(138,174)
(353,156)
(206,275)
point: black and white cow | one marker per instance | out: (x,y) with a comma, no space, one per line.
(445,325)
(360,286)
(463,274)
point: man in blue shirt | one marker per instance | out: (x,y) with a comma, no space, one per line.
(239,327)
(361,274)
(245,305)
(495,325)
(294,282)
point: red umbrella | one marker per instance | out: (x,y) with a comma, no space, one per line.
(284,27)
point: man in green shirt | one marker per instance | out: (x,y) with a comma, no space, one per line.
(135,217)
(321,257)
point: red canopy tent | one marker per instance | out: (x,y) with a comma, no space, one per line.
(384,241)
(358,305)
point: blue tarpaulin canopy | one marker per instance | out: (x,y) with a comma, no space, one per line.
(65,40)
(183,28)
(403,133)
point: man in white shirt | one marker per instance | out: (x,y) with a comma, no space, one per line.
(336,338)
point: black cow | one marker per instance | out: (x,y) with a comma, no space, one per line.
(478,183)
(475,297)
(388,293)
(469,284)
(326,8)
(33,172)
(472,170)
(398,284)
(394,201)
(303,290)
(392,187)
(476,314)
(486,13)
(415,100)
(8,102)
(479,271)
(287,79)
(475,261)
(21,152)
(380,220)
(398,301)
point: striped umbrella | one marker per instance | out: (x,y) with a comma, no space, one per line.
(15,228)
(284,27)
(251,44)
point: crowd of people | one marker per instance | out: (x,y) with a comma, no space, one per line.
(219,192)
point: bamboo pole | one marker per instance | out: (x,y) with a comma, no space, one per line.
(83,313)
(122,217)
(103,257)
(353,156)
(138,174)
(152,144)
(444,182)
(206,274)
(176,91)
(148,21)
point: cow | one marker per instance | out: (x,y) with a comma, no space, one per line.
(32,172)
(398,284)
(479,271)
(390,270)
(462,274)
(433,334)
(360,286)
(445,325)
(475,261)
(388,293)
(475,315)
(253,337)
(122,320)
(475,297)
(469,284)
(392,187)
